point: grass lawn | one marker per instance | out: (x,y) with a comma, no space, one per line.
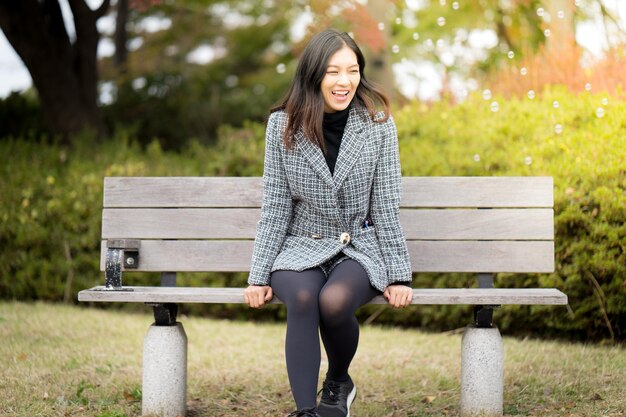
(71,361)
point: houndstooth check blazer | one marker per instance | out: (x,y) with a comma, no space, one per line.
(305,209)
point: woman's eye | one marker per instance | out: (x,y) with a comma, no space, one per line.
(332,72)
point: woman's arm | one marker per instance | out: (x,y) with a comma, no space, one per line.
(385,208)
(276,207)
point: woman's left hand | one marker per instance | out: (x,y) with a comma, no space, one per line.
(398,296)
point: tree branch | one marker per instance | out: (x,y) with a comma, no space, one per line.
(502,31)
(606,15)
(102,10)
(79,7)
(57,24)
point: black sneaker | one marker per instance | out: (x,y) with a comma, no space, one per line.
(336,398)
(309,412)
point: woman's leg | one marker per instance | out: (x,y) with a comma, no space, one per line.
(300,292)
(347,288)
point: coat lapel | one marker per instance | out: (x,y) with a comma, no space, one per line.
(316,159)
(352,144)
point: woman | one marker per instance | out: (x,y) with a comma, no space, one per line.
(329,238)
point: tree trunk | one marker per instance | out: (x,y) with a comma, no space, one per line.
(121,36)
(64,74)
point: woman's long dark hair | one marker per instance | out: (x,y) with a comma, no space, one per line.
(304,103)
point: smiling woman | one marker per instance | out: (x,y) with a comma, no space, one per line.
(329,238)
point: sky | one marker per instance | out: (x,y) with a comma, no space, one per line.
(15,77)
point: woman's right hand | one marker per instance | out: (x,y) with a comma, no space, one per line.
(257,296)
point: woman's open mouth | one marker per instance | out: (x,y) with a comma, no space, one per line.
(341,93)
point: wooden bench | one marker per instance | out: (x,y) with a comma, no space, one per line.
(482,225)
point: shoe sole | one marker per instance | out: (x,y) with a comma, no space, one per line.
(350,399)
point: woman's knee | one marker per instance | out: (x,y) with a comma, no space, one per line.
(335,304)
(298,290)
(303,301)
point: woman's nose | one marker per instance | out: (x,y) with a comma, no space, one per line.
(343,78)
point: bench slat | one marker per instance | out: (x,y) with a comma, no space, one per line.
(471,296)
(247,192)
(426,256)
(183,223)
(482,256)
(478,192)
(240,223)
(483,224)
(183,191)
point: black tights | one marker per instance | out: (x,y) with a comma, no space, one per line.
(314,301)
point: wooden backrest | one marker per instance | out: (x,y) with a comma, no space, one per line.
(452,224)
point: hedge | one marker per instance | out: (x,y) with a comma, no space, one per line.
(583,148)
(52,200)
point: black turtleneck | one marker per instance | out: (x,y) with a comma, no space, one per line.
(334,124)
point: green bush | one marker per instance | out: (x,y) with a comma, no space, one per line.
(22,116)
(585,154)
(52,200)
(51,203)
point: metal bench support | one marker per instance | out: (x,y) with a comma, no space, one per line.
(483,314)
(113,269)
(165,313)
(120,253)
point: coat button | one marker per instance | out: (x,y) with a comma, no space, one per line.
(344,238)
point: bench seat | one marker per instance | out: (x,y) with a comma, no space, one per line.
(473,296)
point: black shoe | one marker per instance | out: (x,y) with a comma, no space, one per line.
(336,398)
(309,412)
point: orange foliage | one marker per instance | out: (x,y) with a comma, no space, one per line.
(354,15)
(560,62)
(365,28)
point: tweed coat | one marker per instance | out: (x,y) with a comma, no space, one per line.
(305,209)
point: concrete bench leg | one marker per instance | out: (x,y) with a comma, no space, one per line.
(482,372)
(165,371)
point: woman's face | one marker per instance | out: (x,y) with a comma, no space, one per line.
(341,80)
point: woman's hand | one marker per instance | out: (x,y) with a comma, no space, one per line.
(398,296)
(256,296)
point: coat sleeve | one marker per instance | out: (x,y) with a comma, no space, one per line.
(275,210)
(385,207)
